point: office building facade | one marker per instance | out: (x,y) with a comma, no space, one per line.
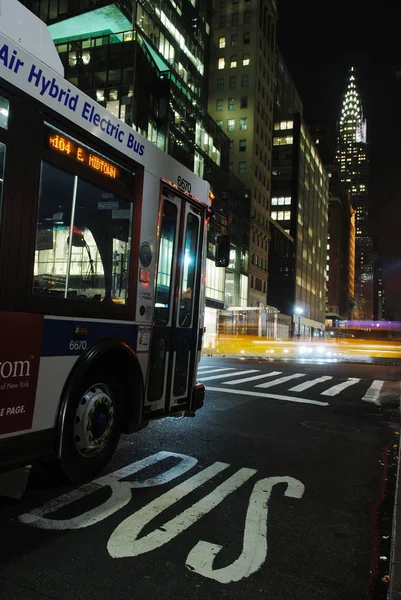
(241,87)
(299,204)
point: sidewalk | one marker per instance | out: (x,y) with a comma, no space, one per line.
(395,559)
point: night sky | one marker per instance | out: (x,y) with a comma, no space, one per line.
(319,41)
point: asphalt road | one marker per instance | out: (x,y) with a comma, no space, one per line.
(274,490)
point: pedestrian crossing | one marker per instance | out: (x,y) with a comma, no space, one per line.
(325,385)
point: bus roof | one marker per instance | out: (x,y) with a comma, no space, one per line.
(28,31)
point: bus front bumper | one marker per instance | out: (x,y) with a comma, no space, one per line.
(198,396)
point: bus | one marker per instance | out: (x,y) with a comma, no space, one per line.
(102,267)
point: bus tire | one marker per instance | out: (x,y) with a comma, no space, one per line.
(92,426)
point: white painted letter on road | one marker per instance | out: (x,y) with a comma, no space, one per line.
(254,548)
(121,493)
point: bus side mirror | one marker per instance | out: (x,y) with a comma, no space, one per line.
(222,258)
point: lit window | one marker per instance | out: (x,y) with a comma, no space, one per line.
(243,124)
(219,104)
(242,167)
(233,61)
(287,215)
(221,63)
(231,104)
(246,59)
(231,125)
(222,42)
(283,141)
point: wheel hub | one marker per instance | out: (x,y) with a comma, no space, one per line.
(94,420)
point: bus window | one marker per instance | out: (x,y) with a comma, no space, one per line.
(165,266)
(2,164)
(4,112)
(93,262)
(189,271)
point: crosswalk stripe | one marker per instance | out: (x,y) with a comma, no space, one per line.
(205,367)
(245,379)
(336,389)
(280,380)
(373,392)
(308,384)
(272,396)
(228,375)
(218,370)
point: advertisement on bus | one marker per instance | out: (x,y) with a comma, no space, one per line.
(19,366)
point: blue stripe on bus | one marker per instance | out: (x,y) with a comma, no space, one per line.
(59,335)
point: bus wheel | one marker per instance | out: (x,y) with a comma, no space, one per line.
(92,426)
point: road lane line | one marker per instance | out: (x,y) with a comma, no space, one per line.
(373,393)
(308,384)
(245,379)
(262,395)
(336,389)
(237,374)
(280,380)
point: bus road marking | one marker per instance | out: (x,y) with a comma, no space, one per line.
(254,547)
(121,493)
(124,541)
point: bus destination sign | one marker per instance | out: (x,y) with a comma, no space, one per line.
(82,154)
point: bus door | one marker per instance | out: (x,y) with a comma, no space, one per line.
(176,310)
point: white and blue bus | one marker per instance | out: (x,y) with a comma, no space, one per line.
(102,267)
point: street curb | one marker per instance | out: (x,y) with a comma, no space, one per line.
(394,592)
(356,361)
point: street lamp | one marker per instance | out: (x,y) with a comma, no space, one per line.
(299,311)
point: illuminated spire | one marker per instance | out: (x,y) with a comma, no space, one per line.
(351,147)
(351,111)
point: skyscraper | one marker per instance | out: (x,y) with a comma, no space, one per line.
(299,202)
(353,161)
(241,88)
